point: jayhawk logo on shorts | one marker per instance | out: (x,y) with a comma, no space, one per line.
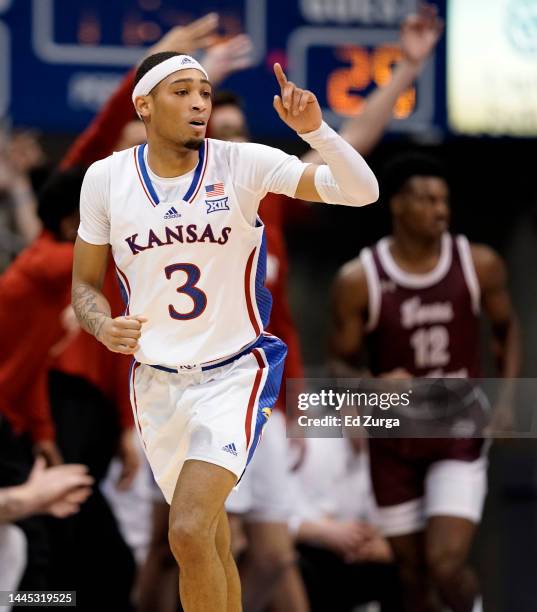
(267,412)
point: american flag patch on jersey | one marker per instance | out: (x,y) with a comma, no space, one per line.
(215,190)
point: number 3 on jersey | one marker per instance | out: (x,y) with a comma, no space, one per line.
(189,288)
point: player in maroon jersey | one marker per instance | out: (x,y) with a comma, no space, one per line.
(414,300)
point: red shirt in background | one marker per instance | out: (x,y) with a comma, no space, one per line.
(85,356)
(101,136)
(34,291)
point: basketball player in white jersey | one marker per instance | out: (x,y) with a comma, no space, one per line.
(414,300)
(180,216)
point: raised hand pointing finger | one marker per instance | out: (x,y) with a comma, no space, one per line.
(280,75)
(296,107)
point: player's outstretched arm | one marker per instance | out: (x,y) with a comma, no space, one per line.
(92,309)
(346,179)
(418,38)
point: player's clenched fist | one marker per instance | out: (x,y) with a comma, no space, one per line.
(121,334)
(296,107)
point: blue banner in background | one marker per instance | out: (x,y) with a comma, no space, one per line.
(60,60)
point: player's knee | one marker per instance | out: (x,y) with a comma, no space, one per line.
(444,565)
(188,539)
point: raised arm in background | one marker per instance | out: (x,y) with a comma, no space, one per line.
(419,36)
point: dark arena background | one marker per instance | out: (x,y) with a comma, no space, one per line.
(473,106)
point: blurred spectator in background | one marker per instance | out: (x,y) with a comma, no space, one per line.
(58,416)
(58,491)
(20,153)
(35,293)
(333,521)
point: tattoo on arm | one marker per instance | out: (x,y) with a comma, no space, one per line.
(91,308)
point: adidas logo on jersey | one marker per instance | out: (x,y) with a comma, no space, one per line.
(230,448)
(172,214)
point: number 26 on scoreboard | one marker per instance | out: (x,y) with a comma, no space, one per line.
(367,66)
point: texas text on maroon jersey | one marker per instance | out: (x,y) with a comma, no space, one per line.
(427,323)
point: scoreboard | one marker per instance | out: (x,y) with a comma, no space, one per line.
(60,60)
(342,66)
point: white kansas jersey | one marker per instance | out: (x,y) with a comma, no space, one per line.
(189,251)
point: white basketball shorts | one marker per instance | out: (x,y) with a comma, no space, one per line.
(215,414)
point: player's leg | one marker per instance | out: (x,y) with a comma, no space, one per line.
(195,513)
(409,554)
(398,484)
(455,494)
(448,541)
(223,546)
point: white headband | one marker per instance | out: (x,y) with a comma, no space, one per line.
(159,72)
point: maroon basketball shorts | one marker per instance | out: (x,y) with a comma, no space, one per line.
(415,479)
